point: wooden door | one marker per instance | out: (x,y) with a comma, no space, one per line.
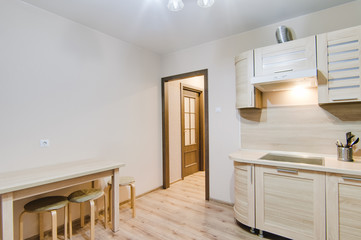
(343,207)
(246,94)
(190,132)
(244,210)
(339,66)
(291,202)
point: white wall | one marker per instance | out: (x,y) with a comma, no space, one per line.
(90,94)
(218,58)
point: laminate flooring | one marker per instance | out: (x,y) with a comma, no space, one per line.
(179,212)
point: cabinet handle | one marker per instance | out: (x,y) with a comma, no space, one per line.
(352,179)
(281,71)
(344,99)
(287,171)
(251,174)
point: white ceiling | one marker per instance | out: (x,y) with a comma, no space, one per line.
(149,24)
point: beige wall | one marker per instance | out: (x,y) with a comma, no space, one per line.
(218,58)
(175,141)
(91,95)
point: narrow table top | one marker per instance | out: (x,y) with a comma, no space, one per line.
(32,177)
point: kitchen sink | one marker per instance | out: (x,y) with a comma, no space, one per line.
(293,159)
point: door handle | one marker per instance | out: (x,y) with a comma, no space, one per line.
(287,171)
(352,179)
(281,71)
(251,175)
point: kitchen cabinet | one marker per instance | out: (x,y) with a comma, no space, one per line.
(343,194)
(290,202)
(339,66)
(286,58)
(244,210)
(246,95)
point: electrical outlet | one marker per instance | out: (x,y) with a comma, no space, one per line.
(44,143)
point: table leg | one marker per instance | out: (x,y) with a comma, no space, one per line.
(7,216)
(115,200)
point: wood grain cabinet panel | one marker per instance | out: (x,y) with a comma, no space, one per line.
(292,56)
(290,202)
(244,210)
(339,66)
(246,94)
(343,207)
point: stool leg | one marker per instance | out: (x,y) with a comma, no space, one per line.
(21,226)
(105,210)
(54,225)
(81,214)
(70,223)
(132,197)
(66,222)
(92,219)
(41,226)
(110,202)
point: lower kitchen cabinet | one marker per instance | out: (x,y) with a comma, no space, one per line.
(343,195)
(244,210)
(290,202)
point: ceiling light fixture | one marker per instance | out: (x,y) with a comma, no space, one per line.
(205,3)
(177,5)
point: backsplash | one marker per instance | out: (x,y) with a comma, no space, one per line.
(308,128)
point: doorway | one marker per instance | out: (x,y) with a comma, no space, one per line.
(189,109)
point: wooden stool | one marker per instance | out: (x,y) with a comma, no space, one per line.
(46,204)
(82,196)
(125,181)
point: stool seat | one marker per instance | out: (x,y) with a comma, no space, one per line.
(124,180)
(40,206)
(87,195)
(84,195)
(46,204)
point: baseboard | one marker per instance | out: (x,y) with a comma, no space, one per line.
(221,202)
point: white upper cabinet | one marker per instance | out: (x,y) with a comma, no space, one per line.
(339,65)
(286,60)
(246,95)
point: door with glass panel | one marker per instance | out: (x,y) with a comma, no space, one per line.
(190,133)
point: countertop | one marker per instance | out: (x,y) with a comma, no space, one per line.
(331,164)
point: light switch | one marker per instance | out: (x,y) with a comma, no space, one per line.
(218,109)
(44,143)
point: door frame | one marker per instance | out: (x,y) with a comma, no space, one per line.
(165,126)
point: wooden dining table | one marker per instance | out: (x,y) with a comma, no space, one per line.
(20,184)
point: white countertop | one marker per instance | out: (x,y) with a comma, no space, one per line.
(26,178)
(331,164)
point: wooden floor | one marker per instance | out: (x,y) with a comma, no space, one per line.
(179,212)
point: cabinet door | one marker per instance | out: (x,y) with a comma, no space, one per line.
(338,59)
(246,95)
(244,210)
(290,202)
(343,207)
(297,55)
